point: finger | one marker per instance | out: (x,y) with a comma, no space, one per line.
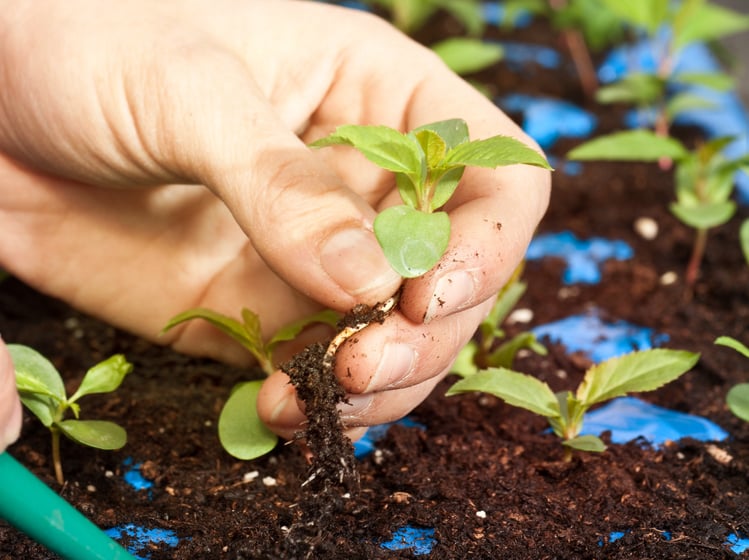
(400,353)
(10,405)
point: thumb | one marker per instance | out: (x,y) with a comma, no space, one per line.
(304,222)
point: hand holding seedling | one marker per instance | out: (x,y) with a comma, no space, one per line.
(153,171)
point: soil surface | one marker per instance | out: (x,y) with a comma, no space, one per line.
(485,477)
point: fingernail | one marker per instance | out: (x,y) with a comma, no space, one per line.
(353,258)
(286,412)
(356,406)
(396,364)
(453,292)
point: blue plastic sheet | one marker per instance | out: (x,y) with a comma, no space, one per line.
(584,257)
(419,539)
(141,539)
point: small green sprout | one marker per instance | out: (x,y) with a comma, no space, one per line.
(428,163)
(43,393)
(744,239)
(466,55)
(641,371)
(737,398)
(240,430)
(704,179)
(485,350)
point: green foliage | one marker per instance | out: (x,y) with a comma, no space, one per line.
(428,163)
(487,349)
(464,55)
(744,239)
(737,398)
(629,145)
(240,430)
(410,15)
(646,370)
(42,391)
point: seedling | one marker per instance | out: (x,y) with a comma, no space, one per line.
(737,398)
(428,163)
(641,371)
(43,393)
(704,179)
(410,15)
(466,55)
(744,239)
(487,349)
(240,430)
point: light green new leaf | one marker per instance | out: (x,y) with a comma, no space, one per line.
(730,342)
(452,131)
(382,145)
(586,443)
(495,152)
(104,377)
(637,372)
(240,429)
(683,102)
(413,241)
(709,22)
(630,145)
(445,187)
(516,389)
(504,356)
(718,81)
(100,434)
(744,239)
(34,370)
(738,400)
(465,363)
(704,216)
(466,56)
(636,88)
(649,14)
(433,145)
(292,330)
(232,327)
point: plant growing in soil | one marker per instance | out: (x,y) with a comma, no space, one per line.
(43,393)
(428,163)
(704,179)
(737,398)
(487,349)
(641,371)
(240,430)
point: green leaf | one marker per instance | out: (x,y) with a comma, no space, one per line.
(708,23)
(683,102)
(408,190)
(704,216)
(636,372)
(648,14)
(506,300)
(104,377)
(39,384)
(516,389)
(467,12)
(100,434)
(292,330)
(240,429)
(382,145)
(504,356)
(413,241)
(744,239)
(466,56)
(453,131)
(630,145)
(433,145)
(465,363)
(730,342)
(445,187)
(636,88)
(589,443)
(495,152)
(718,81)
(738,400)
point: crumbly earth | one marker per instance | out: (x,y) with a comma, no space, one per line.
(486,477)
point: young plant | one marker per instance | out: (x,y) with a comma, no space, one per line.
(704,179)
(428,163)
(466,55)
(43,393)
(410,15)
(487,349)
(240,430)
(641,371)
(737,398)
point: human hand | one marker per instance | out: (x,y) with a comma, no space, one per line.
(192,117)
(10,405)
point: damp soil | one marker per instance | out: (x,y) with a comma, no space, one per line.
(485,477)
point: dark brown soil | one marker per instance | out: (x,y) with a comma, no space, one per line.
(484,476)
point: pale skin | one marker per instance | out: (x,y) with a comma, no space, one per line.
(153,159)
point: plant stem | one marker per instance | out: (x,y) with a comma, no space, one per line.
(695,260)
(56,460)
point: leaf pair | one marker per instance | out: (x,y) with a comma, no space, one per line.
(636,372)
